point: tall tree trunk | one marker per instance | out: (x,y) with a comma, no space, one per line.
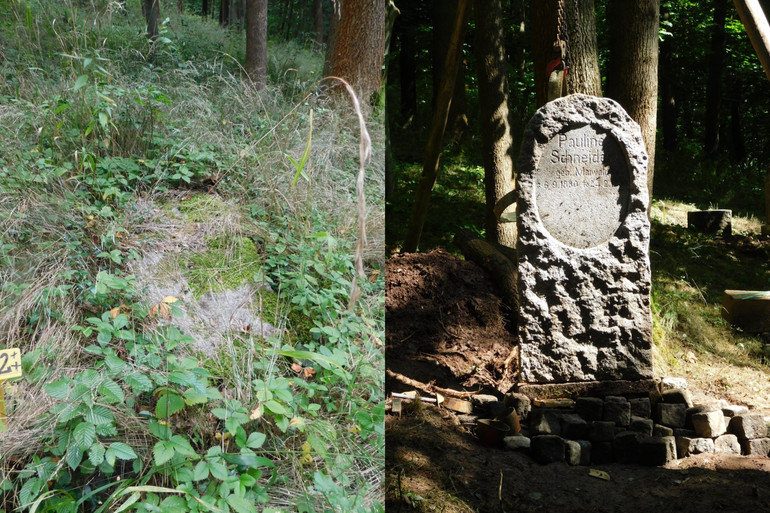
(667,78)
(204,9)
(356,45)
(318,22)
(224,15)
(256,42)
(443,17)
(714,83)
(151,9)
(582,49)
(438,125)
(494,116)
(407,62)
(758,28)
(179,6)
(632,78)
(289,20)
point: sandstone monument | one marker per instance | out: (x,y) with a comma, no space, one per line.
(584,270)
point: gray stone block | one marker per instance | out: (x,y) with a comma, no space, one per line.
(756,447)
(685,446)
(626,447)
(672,383)
(590,408)
(660,430)
(698,408)
(517,443)
(585,452)
(641,425)
(543,421)
(690,433)
(677,396)
(733,410)
(617,409)
(748,426)
(727,443)
(641,407)
(601,452)
(519,402)
(601,431)
(548,448)
(573,455)
(710,424)
(573,426)
(655,450)
(671,414)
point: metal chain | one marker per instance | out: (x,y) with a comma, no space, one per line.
(559,20)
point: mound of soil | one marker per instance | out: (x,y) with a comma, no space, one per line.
(445,324)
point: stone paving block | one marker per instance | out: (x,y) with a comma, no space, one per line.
(686,446)
(601,431)
(641,407)
(677,396)
(727,443)
(601,452)
(671,414)
(617,409)
(657,450)
(573,426)
(660,430)
(517,443)
(548,448)
(698,408)
(590,408)
(756,447)
(748,426)
(520,402)
(626,447)
(710,424)
(641,425)
(543,421)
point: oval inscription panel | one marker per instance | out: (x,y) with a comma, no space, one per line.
(582,186)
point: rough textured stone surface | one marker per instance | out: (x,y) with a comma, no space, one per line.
(656,451)
(690,433)
(600,431)
(641,425)
(677,396)
(590,408)
(520,402)
(756,447)
(640,407)
(670,383)
(671,414)
(573,450)
(733,410)
(699,408)
(710,424)
(517,443)
(601,452)
(686,446)
(584,271)
(660,430)
(573,426)
(617,409)
(727,443)
(548,448)
(626,447)
(750,425)
(544,422)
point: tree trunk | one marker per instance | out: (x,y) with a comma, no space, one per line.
(204,9)
(714,83)
(494,116)
(318,21)
(667,79)
(224,14)
(632,78)
(357,45)
(289,20)
(443,17)
(179,6)
(151,10)
(582,49)
(256,42)
(438,124)
(757,27)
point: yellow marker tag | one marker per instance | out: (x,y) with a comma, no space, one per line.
(10,364)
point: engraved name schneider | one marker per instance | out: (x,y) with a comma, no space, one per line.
(579,162)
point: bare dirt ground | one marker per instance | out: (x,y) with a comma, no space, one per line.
(445,324)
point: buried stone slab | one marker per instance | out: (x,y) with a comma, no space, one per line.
(656,450)
(548,448)
(584,272)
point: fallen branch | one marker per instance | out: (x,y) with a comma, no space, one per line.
(429,388)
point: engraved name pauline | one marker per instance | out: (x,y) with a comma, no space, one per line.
(582,186)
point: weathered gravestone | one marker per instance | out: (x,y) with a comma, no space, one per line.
(584,270)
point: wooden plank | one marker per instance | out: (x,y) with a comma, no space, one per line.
(747,309)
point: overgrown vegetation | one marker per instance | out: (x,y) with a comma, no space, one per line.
(117,410)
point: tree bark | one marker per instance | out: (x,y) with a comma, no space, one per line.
(757,27)
(443,17)
(494,116)
(356,45)
(632,78)
(438,125)
(256,42)
(224,14)
(318,21)
(714,83)
(179,6)
(582,48)
(151,10)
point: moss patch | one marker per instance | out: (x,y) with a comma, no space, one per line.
(198,208)
(226,264)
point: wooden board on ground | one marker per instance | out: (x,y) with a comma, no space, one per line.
(747,309)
